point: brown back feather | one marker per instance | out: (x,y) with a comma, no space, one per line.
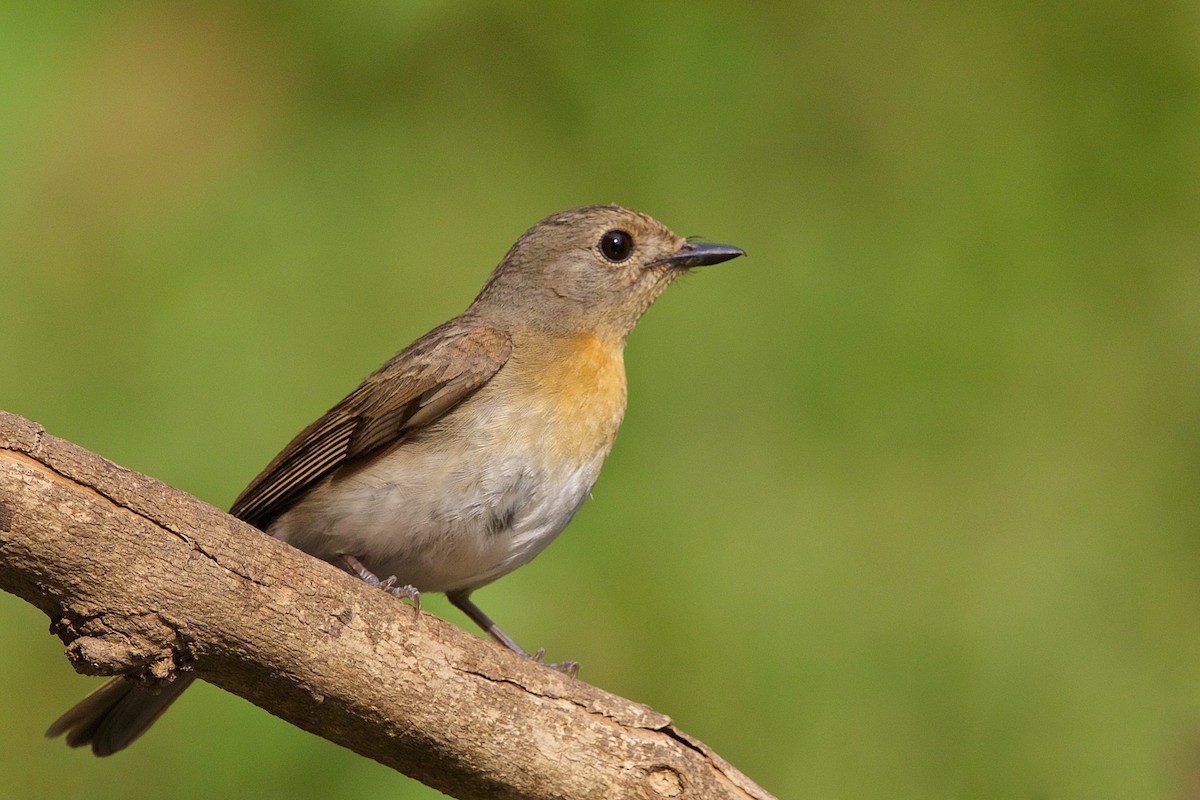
(416,387)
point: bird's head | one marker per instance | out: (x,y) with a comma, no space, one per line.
(593,270)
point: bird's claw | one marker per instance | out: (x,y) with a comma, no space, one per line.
(408,592)
(568,668)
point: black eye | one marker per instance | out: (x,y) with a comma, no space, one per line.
(616,246)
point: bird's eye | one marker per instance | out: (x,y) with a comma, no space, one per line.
(616,246)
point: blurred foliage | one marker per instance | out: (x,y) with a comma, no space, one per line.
(906,503)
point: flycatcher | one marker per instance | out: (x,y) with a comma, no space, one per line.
(462,457)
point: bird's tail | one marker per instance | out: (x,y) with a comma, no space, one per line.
(111,717)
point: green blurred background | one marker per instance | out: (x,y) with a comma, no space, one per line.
(906,502)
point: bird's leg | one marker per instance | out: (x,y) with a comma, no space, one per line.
(366,576)
(460,601)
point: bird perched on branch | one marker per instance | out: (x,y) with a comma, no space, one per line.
(466,454)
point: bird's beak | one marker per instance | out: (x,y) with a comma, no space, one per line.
(700,254)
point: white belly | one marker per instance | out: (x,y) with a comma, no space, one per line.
(435,527)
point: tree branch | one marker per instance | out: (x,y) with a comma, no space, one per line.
(142,579)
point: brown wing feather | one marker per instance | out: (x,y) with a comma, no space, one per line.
(416,387)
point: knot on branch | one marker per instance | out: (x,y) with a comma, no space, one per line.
(145,647)
(664,781)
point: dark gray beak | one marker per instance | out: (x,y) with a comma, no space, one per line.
(701,254)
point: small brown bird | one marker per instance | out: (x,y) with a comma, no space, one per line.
(466,454)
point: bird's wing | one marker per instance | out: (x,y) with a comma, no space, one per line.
(416,387)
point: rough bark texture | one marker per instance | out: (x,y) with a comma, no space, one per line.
(142,579)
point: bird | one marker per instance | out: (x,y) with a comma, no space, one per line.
(464,455)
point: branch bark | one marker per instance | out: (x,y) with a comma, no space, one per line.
(141,579)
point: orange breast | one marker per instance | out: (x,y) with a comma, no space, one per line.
(580,389)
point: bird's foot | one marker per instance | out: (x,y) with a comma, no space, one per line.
(409,592)
(462,601)
(568,668)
